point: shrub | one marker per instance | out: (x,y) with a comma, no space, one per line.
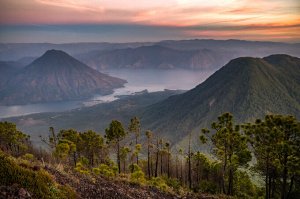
(244,188)
(80,168)
(28,156)
(39,183)
(66,192)
(173,183)
(107,171)
(138,177)
(208,187)
(158,183)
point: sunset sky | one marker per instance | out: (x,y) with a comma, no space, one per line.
(63,21)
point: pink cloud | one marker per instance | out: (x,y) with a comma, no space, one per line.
(248,15)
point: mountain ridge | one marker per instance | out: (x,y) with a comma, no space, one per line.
(155,56)
(223,51)
(246,87)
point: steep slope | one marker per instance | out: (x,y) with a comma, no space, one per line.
(7,70)
(56,76)
(157,57)
(247,87)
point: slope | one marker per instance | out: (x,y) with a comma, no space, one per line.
(56,76)
(7,70)
(247,87)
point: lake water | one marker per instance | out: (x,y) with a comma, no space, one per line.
(138,80)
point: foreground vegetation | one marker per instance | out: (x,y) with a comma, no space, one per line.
(129,156)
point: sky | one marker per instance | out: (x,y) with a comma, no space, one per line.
(65,21)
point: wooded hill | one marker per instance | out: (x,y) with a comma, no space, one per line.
(80,164)
(247,87)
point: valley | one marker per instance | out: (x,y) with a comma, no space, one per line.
(75,116)
(259,86)
(176,99)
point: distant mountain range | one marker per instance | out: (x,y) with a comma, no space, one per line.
(55,76)
(247,87)
(156,57)
(187,54)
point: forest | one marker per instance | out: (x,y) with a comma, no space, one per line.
(259,159)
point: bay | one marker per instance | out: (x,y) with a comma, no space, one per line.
(138,80)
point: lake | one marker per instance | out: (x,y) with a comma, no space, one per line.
(138,80)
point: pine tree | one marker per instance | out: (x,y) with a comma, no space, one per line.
(230,146)
(115,133)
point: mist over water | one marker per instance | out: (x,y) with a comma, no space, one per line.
(138,80)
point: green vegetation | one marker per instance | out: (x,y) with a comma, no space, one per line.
(39,182)
(114,134)
(272,142)
(275,141)
(230,147)
(12,140)
(247,87)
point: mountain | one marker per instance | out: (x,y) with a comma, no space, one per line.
(158,57)
(7,70)
(19,51)
(247,87)
(189,54)
(56,76)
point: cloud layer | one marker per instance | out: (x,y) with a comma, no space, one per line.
(276,20)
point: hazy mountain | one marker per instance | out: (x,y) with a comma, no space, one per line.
(155,56)
(188,54)
(56,76)
(7,70)
(19,51)
(247,87)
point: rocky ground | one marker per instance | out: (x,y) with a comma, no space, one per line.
(99,188)
(14,192)
(102,188)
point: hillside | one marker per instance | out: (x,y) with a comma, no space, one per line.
(157,57)
(28,172)
(69,184)
(247,87)
(96,117)
(56,76)
(7,70)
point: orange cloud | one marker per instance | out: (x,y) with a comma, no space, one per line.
(214,17)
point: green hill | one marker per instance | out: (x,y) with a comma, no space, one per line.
(247,87)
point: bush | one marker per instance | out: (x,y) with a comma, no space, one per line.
(173,183)
(28,156)
(39,183)
(244,188)
(158,183)
(138,177)
(80,168)
(208,187)
(107,171)
(66,192)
